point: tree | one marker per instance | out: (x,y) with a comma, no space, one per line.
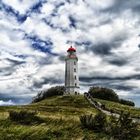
(53,91)
(103,93)
(126,102)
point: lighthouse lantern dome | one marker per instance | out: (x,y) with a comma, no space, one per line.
(71,49)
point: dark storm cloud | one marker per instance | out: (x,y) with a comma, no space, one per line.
(88,79)
(81,42)
(44,81)
(118,62)
(137,8)
(139,46)
(14,99)
(62,58)
(15,62)
(102,49)
(7,71)
(121,5)
(117,84)
(45,61)
(106,84)
(72,21)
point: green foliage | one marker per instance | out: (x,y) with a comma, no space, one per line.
(100,122)
(123,128)
(126,102)
(53,91)
(108,94)
(24,117)
(87,121)
(96,123)
(103,93)
(115,107)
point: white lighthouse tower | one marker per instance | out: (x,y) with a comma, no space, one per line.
(71,72)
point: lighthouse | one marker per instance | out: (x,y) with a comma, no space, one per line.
(71,72)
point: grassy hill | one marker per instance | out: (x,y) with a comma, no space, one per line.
(61,120)
(117,108)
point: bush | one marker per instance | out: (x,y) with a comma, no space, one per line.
(100,122)
(96,123)
(103,93)
(126,102)
(124,128)
(53,91)
(24,117)
(87,121)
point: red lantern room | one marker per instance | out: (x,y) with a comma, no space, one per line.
(71,53)
(71,49)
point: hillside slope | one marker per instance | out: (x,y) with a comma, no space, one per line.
(61,120)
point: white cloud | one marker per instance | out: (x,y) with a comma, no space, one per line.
(100,4)
(9,102)
(47,9)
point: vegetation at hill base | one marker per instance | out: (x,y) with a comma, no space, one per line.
(108,94)
(54,116)
(53,91)
(116,107)
(60,120)
(122,128)
(24,117)
(95,92)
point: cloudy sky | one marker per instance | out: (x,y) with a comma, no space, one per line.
(35,34)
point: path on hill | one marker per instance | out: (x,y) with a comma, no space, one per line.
(101,107)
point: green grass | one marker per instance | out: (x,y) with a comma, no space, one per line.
(117,107)
(61,120)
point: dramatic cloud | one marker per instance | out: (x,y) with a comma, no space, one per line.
(3,103)
(34,37)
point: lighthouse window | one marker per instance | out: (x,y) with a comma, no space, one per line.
(75,84)
(74,70)
(74,63)
(75,77)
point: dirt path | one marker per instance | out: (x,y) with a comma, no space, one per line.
(99,107)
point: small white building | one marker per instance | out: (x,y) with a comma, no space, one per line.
(71,72)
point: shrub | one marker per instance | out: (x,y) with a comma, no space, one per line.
(96,123)
(87,121)
(24,117)
(103,93)
(100,122)
(123,128)
(53,91)
(126,102)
